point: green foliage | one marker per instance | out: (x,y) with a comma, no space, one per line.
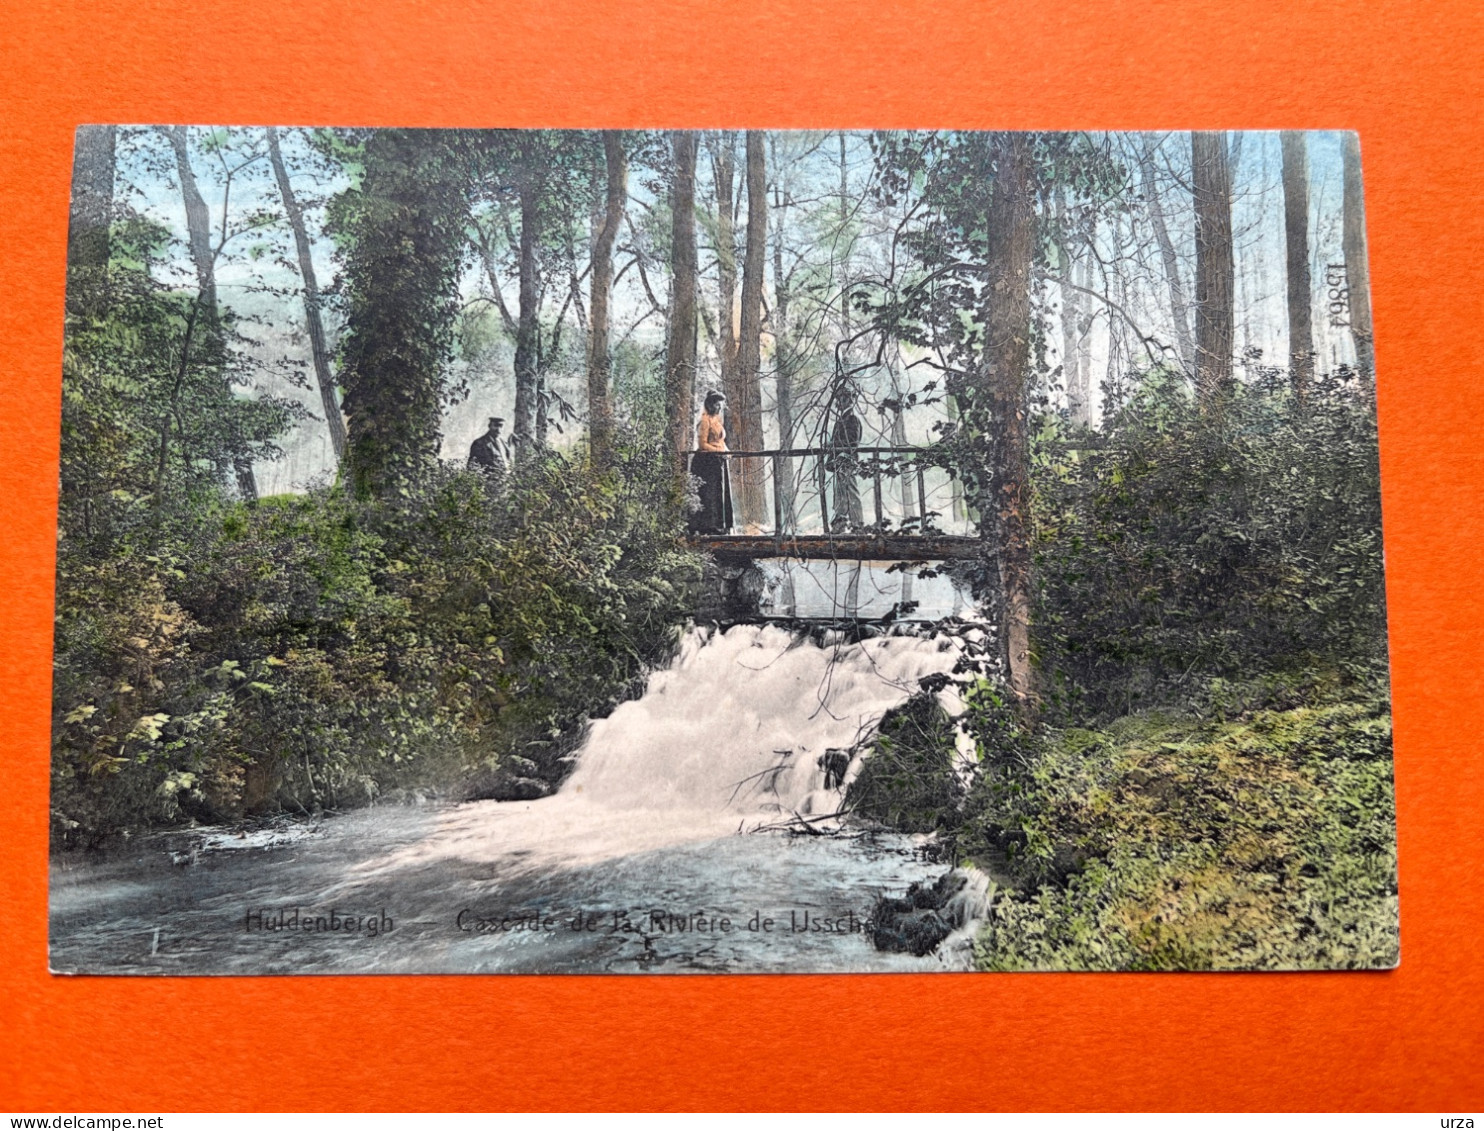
(910,779)
(1167,842)
(950,175)
(318,650)
(567,167)
(639,391)
(1186,546)
(151,414)
(1226,572)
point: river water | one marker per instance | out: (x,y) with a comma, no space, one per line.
(687,839)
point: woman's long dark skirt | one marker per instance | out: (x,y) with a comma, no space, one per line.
(715,515)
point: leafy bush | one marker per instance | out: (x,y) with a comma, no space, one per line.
(316,651)
(1191,545)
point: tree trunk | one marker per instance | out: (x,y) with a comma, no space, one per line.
(1243,309)
(1357,267)
(1118,353)
(783,358)
(1007,325)
(198,224)
(319,352)
(751,472)
(1300,288)
(907,482)
(1083,382)
(198,235)
(599,360)
(845,287)
(1214,275)
(723,168)
(1179,303)
(92,197)
(680,345)
(527,348)
(1070,306)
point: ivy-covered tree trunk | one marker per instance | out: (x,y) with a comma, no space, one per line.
(680,345)
(1357,270)
(1215,281)
(599,360)
(1001,382)
(318,350)
(748,409)
(406,228)
(203,256)
(1296,243)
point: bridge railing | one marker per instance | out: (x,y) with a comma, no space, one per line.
(842,491)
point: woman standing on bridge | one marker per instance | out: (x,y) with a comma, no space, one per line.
(709,465)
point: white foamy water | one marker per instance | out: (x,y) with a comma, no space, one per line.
(727,739)
(740,720)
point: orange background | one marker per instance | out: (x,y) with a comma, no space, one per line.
(1409,77)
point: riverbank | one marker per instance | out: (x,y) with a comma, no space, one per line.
(1265,840)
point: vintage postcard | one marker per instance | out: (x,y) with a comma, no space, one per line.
(593,551)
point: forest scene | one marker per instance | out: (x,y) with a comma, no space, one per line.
(968,540)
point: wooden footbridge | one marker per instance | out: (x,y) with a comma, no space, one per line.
(862,504)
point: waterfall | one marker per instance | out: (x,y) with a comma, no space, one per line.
(728,738)
(742,721)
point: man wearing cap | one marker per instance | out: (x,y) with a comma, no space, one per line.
(485,453)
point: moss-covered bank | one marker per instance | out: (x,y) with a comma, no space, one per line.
(1266,841)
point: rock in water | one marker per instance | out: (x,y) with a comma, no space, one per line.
(919,922)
